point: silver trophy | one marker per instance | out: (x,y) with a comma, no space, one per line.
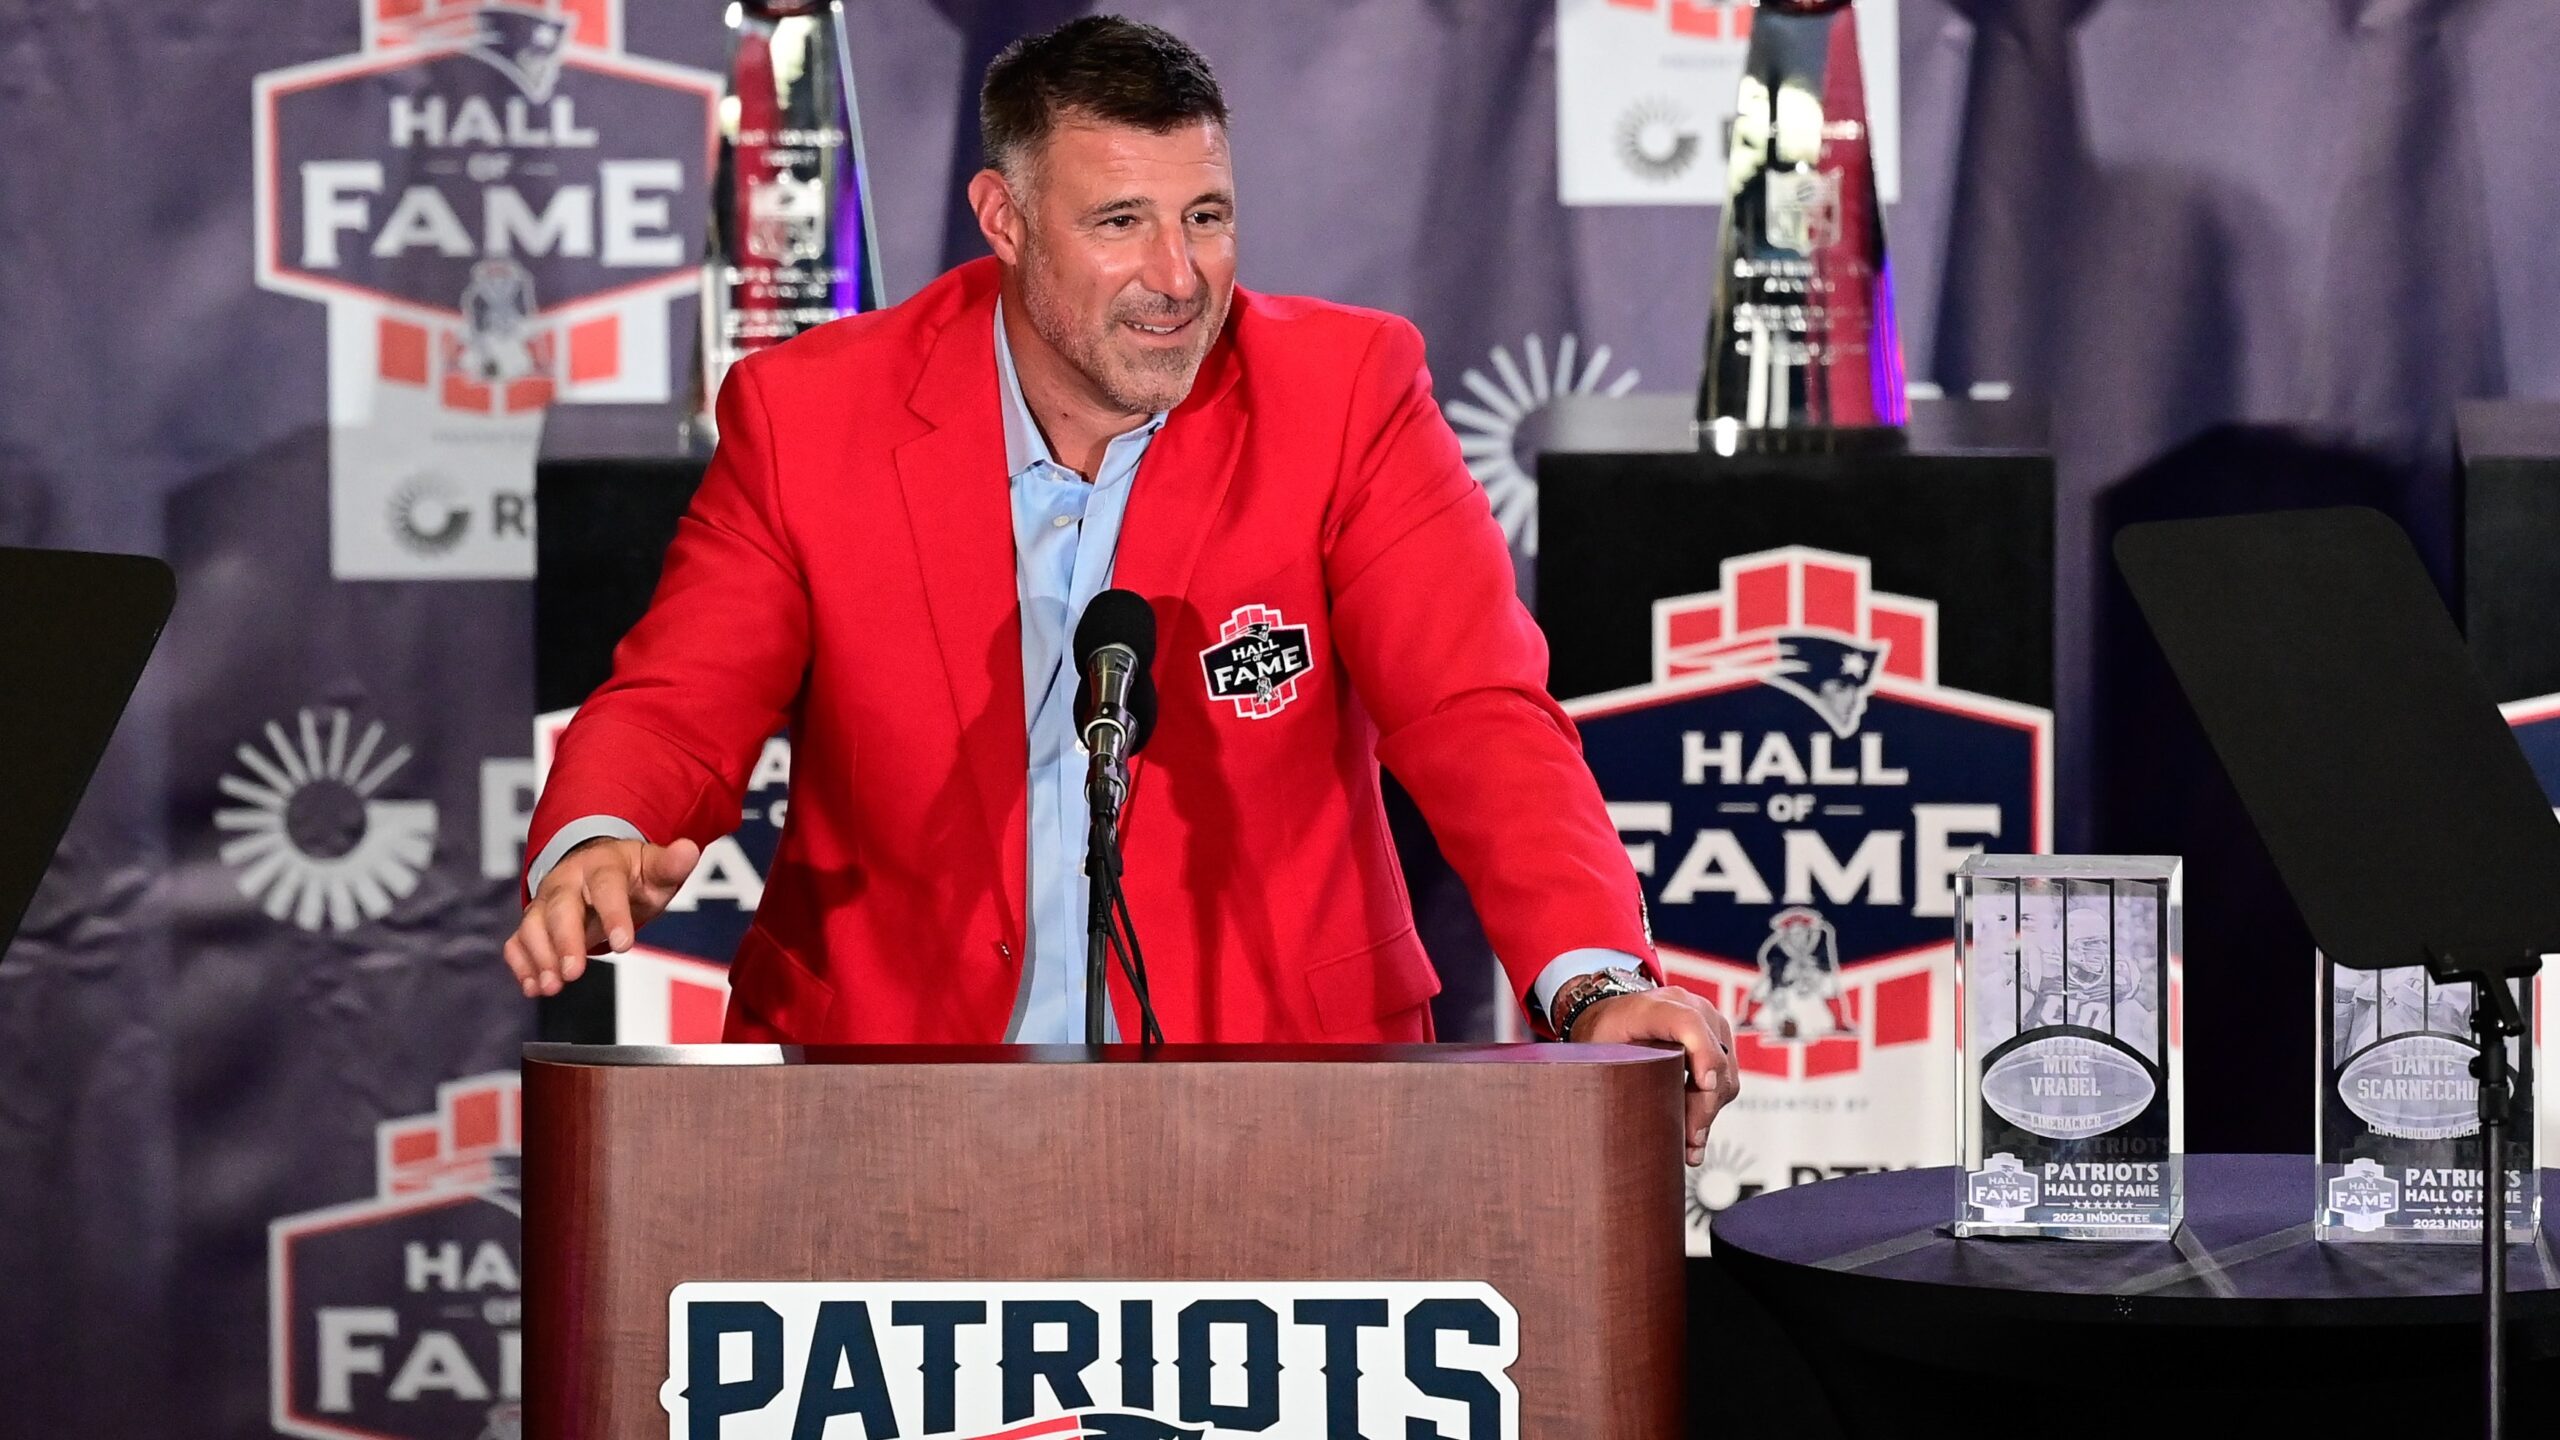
(2070,1115)
(2398,1129)
(791,245)
(1802,350)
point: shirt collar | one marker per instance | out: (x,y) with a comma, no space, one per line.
(1024,446)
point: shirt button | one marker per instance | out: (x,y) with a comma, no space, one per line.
(1063,521)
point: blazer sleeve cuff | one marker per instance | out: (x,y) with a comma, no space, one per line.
(577,832)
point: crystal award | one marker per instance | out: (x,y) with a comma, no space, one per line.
(2070,1120)
(2398,1127)
(790,245)
(1801,350)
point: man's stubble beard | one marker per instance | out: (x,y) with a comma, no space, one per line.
(1139,382)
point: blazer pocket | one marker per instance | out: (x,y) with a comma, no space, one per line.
(1353,991)
(772,984)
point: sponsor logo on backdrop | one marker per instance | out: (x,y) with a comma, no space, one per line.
(428,516)
(672,988)
(495,204)
(1717,1184)
(1116,1361)
(1644,89)
(398,1316)
(314,835)
(1657,139)
(1796,790)
(507,793)
(1489,425)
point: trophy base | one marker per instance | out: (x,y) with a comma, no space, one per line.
(2330,1233)
(1728,436)
(2150,1229)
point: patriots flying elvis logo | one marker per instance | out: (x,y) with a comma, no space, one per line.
(1796,790)
(1102,1425)
(526,48)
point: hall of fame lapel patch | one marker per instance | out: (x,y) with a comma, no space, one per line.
(1257,662)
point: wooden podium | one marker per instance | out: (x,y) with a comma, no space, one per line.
(1550,1174)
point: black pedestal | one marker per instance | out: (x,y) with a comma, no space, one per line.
(2245,1326)
(2511,543)
(1630,511)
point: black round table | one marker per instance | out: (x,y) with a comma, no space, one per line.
(2246,1313)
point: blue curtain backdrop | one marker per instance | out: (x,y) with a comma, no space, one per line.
(2186,225)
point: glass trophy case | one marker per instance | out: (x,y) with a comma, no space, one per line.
(2070,1117)
(1801,346)
(2398,1129)
(791,244)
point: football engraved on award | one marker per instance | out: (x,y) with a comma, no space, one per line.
(2070,1114)
(2398,1125)
(791,242)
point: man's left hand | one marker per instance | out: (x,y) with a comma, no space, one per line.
(1672,1015)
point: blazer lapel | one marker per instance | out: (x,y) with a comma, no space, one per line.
(952,479)
(1182,485)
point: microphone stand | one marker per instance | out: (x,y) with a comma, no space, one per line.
(1108,927)
(2494,1019)
(1106,781)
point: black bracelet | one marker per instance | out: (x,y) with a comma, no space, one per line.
(1594,989)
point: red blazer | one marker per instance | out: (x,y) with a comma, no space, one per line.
(847,566)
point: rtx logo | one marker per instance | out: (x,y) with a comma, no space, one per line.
(314,833)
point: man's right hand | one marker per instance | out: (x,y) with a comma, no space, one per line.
(593,901)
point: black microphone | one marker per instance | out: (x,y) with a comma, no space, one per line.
(1115,709)
(1116,698)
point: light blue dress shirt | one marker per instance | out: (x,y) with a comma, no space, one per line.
(1066,533)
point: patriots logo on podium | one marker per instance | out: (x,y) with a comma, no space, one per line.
(1089,1359)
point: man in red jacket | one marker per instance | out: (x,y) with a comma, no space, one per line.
(908,512)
